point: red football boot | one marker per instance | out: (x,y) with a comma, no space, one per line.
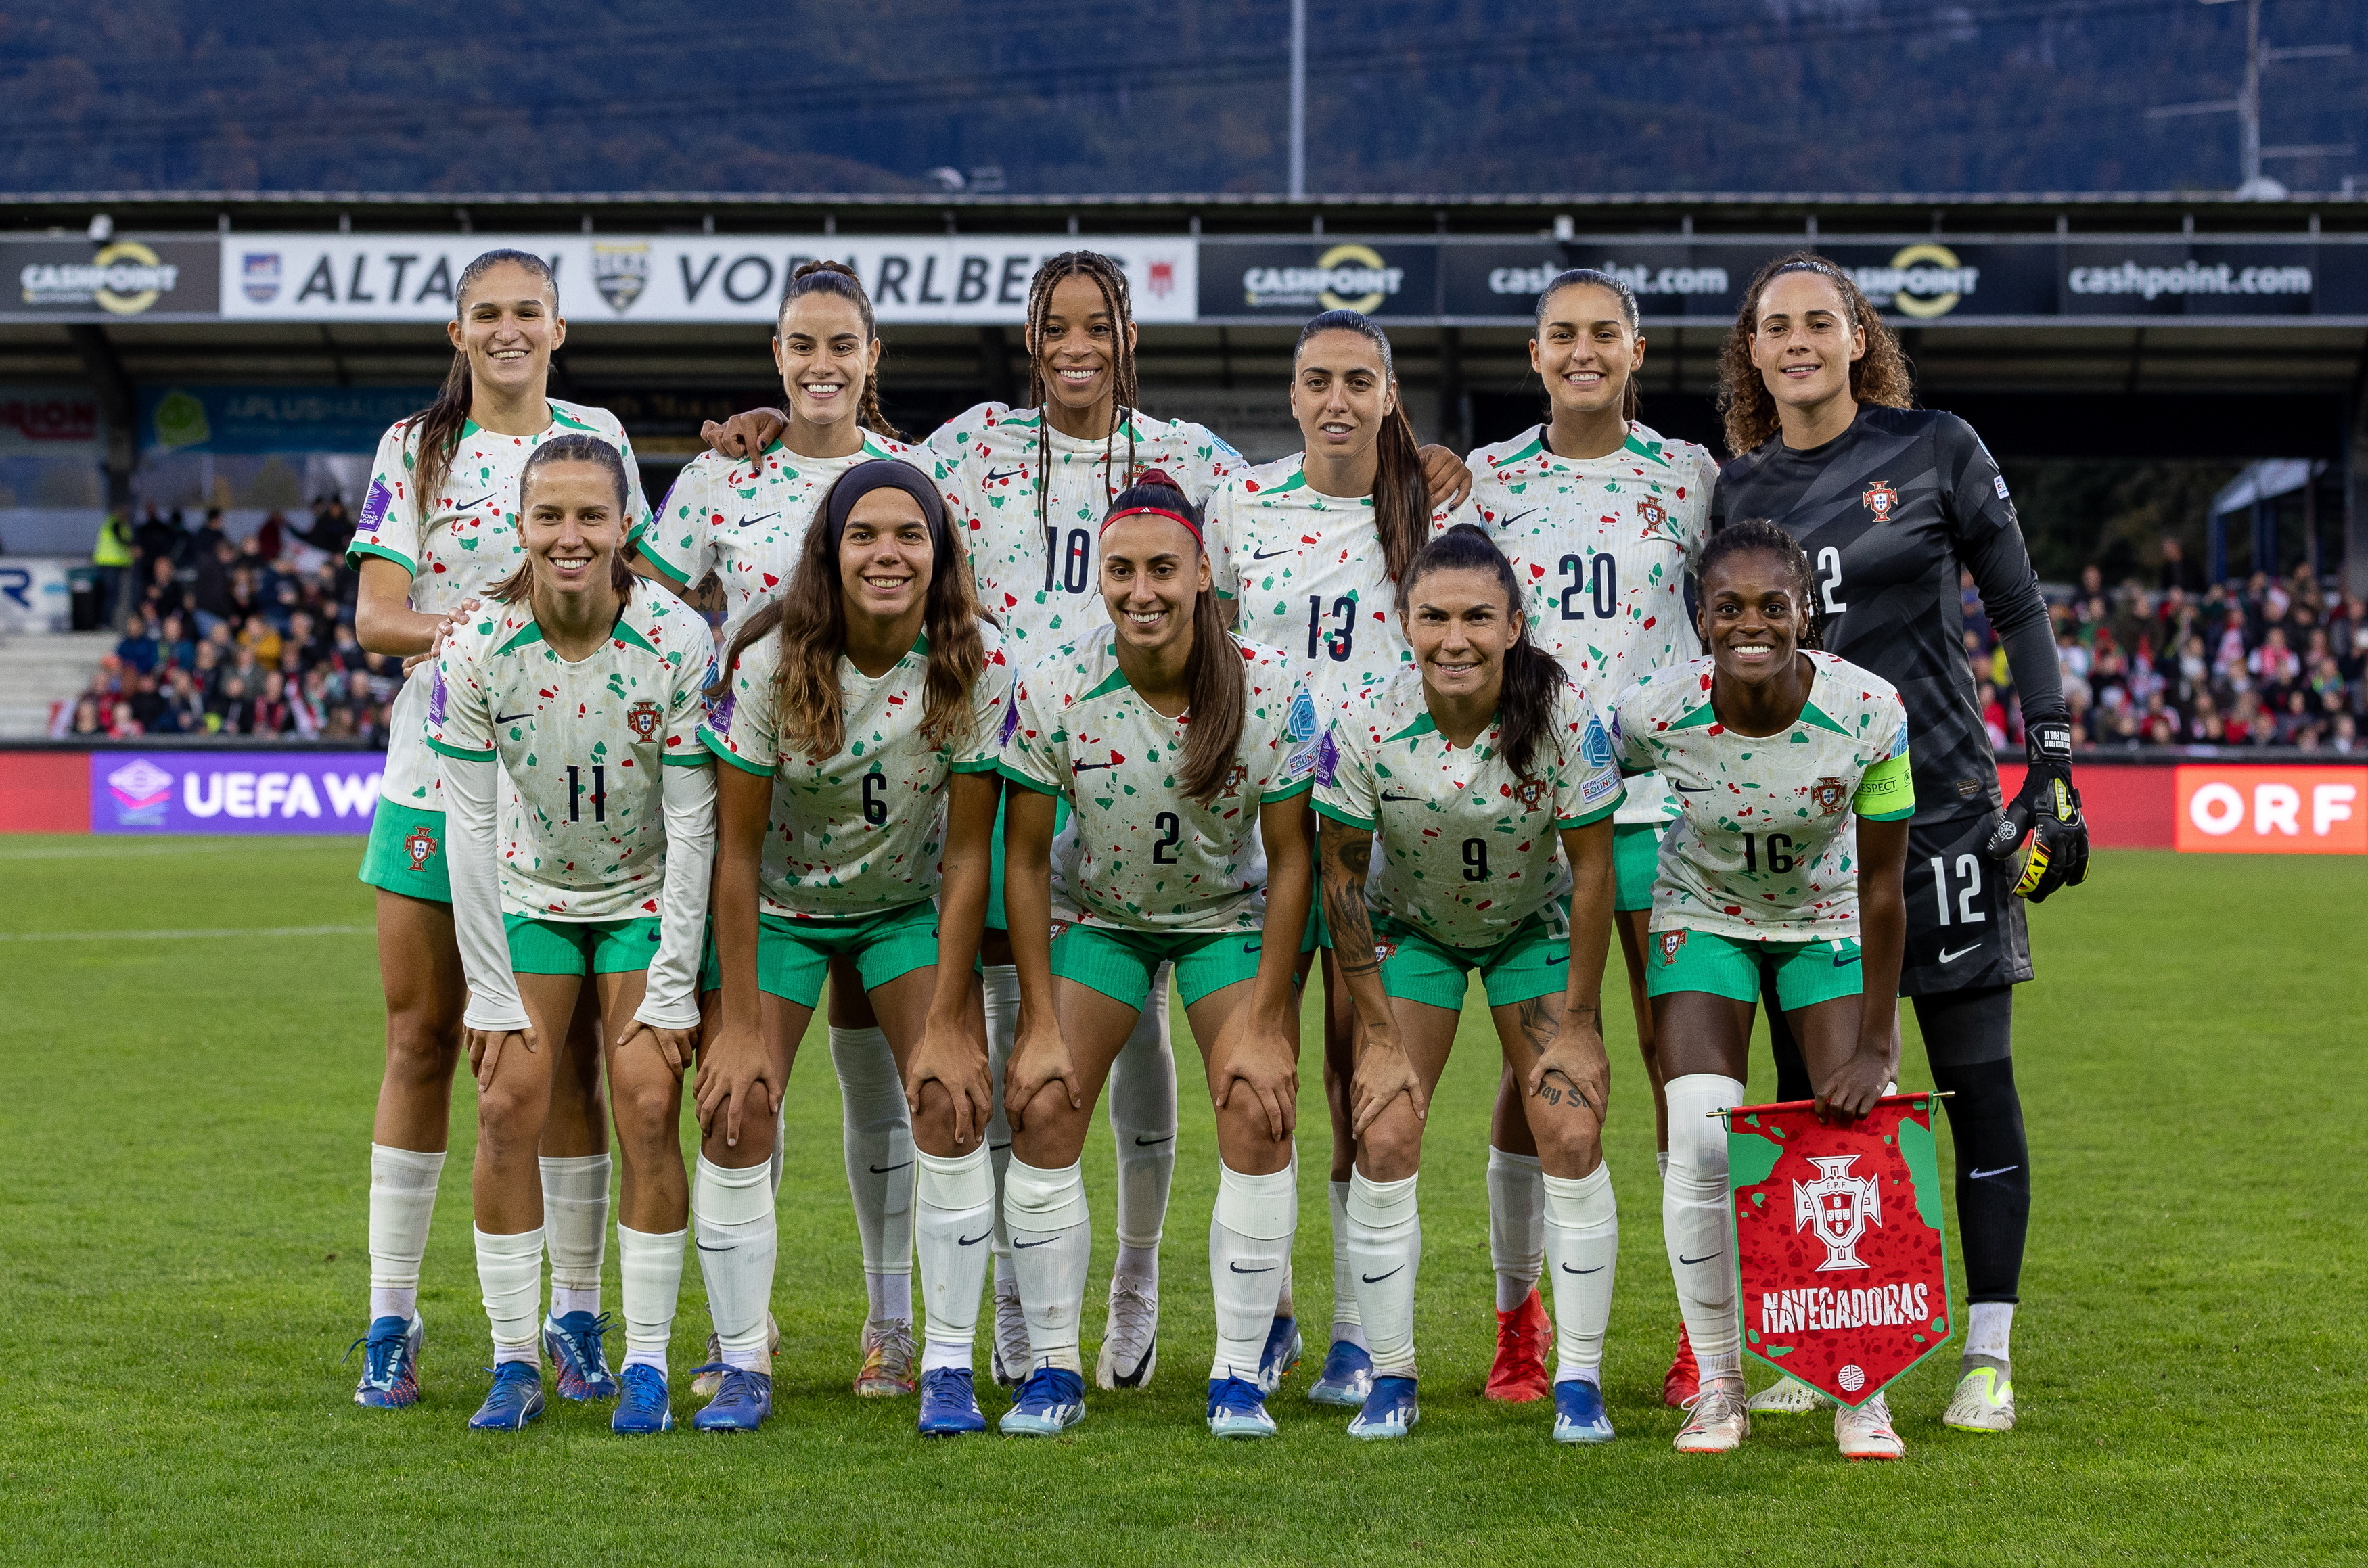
(1683,1383)
(1523,1338)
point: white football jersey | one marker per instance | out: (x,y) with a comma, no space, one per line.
(863,830)
(746,521)
(1601,545)
(1041,574)
(1137,853)
(457,546)
(1306,573)
(1469,850)
(1765,849)
(582,831)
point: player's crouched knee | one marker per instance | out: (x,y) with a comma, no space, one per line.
(933,1127)
(421,1047)
(1391,1149)
(648,1114)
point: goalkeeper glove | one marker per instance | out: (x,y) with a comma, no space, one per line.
(2048,808)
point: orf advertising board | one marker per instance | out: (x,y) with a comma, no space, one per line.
(978,279)
(2271,810)
(233,792)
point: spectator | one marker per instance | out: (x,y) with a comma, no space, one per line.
(212,594)
(112,555)
(174,648)
(161,595)
(231,711)
(185,705)
(137,647)
(272,539)
(332,531)
(270,715)
(2178,574)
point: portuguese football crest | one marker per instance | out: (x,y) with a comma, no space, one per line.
(1235,777)
(1529,791)
(1841,1244)
(1655,515)
(1669,943)
(1881,500)
(1830,794)
(643,719)
(420,844)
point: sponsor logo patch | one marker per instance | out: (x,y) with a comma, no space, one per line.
(374,508)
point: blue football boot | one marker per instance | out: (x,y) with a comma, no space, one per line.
(641,1409)
(390,1363)
(572,1343)
(515,1399)
(1578,1413)
(1238,1409)
(1389,1411)
(1051,1402)
(1282,1355)
(742,1399)
(1346,1380)
(949,1404)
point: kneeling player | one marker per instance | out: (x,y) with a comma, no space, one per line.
(1791,771)
(582,685)
(1169,738)
(1479,771)
(845,708)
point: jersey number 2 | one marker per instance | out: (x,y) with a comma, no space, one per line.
(1171,828)
(1829,561)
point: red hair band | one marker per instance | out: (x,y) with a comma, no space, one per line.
(1189,526)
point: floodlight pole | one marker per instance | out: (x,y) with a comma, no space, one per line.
(2248,100)
(1298,97)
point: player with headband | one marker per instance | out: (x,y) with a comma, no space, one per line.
(1169,738)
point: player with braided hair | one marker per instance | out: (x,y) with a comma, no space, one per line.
(1893,506)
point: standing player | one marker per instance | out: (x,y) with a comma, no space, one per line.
(1309,550)
(438,528)
(1783,874)
(1599,515)
(1487,780)
(1168,737)
(844,708)
(746,521)
(1893,504)
(581,690)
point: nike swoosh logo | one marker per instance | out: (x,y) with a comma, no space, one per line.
(1599,1268)
(1691,789)
(883,1170)
(1517,517)
(992,475)
(972,1240)
(1377,1278)
(1023,1246)
(1387,796)
(759,518)
(1269,554)
(1948,957)
(1239,1269)
(512,717)
(1841,962)
(472,505)
(1090,766)
(1703,1258)
(705,1248)
(1252,947)
(1977,1175)
(1143,1142)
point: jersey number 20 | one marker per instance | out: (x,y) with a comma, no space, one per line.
(1604,589)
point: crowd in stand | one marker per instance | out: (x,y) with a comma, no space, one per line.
(246,637)
(2268,661)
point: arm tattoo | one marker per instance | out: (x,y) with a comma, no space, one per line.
(1344,864)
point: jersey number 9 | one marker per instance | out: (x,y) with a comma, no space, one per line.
(1476,859)
(1604,589)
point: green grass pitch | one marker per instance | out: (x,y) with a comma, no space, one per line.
(182,1263)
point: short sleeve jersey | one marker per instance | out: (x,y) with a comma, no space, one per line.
(863,830)
(1137,853)
(746,521)
(1766,850)
(457,545)
(1889,513)
(582,833)
(1039,574)
(1469,850)
(1305,570)
(1601,545)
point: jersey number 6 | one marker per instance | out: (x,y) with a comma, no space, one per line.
(875,799)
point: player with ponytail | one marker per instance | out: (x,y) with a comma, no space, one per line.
(1169,739)
(438,528)
(1485,778)
(1310,551)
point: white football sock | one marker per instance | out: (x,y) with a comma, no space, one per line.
(1142,1099)
(1990,1326)
(1661,1162)
(1696,1225)
(402,1202)
(1582,1227)
(649,1269)
(732,1217)
(876,1135)
(781,1143)
(1000,983)
(509,1274)
(1050,1243)
(954,1218)
(1249,1247)
(1385,1250)
(575,1229)
(1346,1326)
(1516,1225)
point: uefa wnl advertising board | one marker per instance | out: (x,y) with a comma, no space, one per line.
(233,791)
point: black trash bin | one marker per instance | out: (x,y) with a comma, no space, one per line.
(88,610)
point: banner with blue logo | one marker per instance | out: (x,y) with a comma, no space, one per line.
(233,791)
(258,421)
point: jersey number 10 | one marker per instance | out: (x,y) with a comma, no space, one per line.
(1072,568)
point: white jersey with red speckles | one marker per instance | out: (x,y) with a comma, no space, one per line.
(1766,849)
(1601,546)
(1037,558)
(457,546)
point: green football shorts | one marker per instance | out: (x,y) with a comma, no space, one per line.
(792,956)
(1806,973)
(1636,856)
(1533,960)
(995,920)
(581,947)
(1120,965)
(404,853)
